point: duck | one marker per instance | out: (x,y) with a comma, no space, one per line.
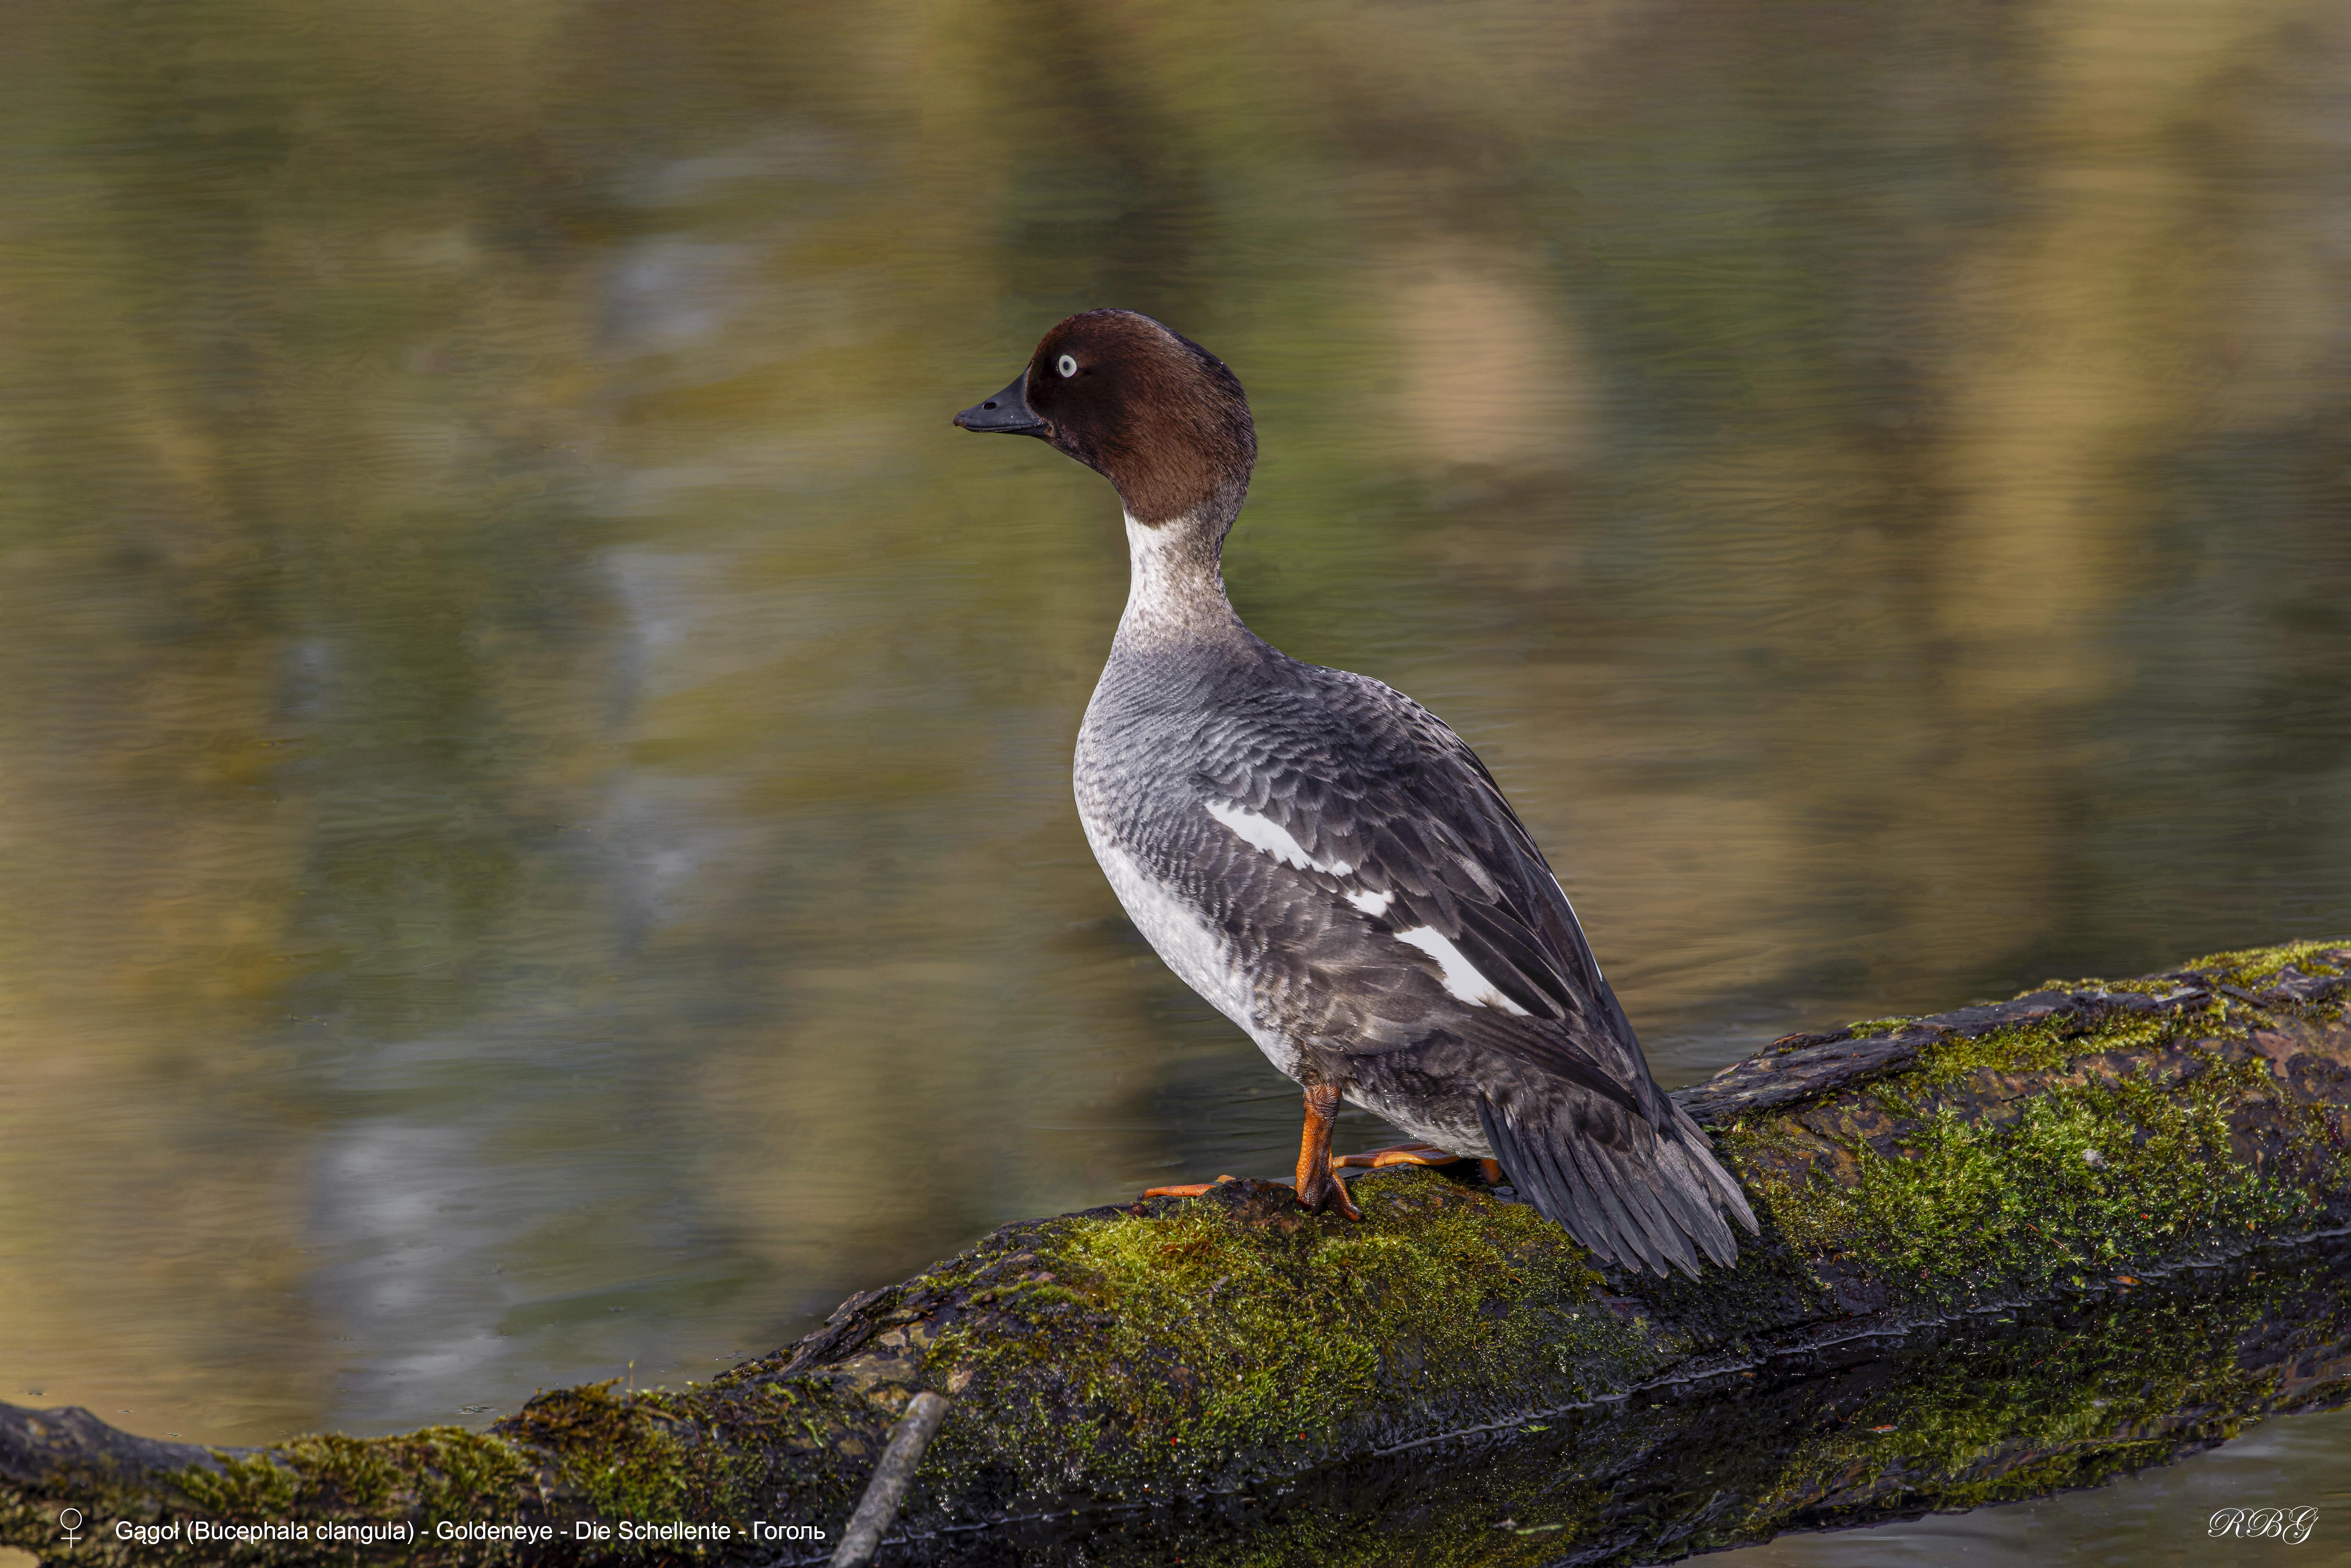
(1328,864)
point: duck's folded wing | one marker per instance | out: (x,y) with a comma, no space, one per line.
(1372,794)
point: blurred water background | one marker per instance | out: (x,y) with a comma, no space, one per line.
(535,793)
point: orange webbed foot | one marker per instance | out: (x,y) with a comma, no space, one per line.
(1187,1189)
(1412,1153)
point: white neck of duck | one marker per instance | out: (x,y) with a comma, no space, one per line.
(1176,590)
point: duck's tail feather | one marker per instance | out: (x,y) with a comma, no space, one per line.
(1635,1193)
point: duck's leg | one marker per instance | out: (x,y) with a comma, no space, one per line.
(1317,1188)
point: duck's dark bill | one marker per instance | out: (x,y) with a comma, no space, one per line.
(1006,412)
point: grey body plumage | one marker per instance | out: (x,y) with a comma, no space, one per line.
(1333,869)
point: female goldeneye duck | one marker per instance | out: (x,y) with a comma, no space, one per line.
(1326,862)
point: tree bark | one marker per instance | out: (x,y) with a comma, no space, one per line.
(2007,1249)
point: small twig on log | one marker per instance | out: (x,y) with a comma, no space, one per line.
(912,1435)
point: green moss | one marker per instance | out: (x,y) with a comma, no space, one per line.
(2060,1043)
(1215,1330)
(440,1469)
(2082,1179)
(2252,967)
(2146,985)
(440,1473)
(2050,1047)
(246,1486)
(2062,1400)
(2039,1048)
(2072,1394)
(705,1452)
(2248,968)
(623,1451)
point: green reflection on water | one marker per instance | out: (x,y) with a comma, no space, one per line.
(537,760)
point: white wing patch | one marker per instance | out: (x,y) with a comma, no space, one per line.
(1461,976)
(1264,833)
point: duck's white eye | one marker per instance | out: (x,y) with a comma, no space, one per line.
(1068,367)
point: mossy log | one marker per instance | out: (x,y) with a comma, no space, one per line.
(2006,1249)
